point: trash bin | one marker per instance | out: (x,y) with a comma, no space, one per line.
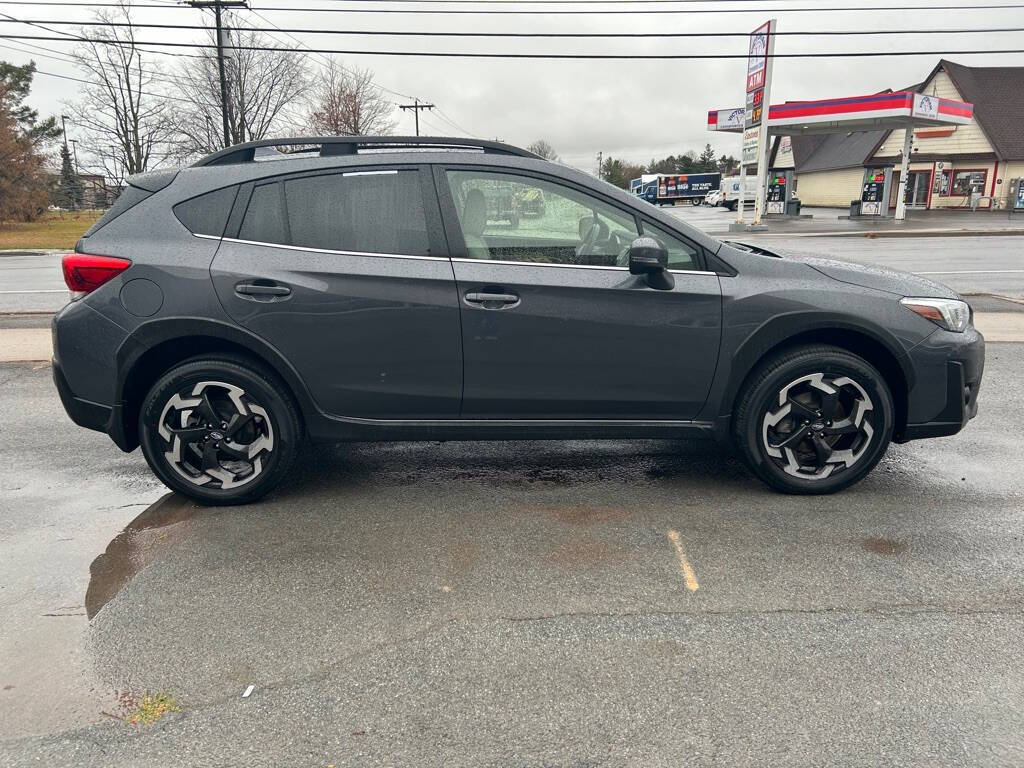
(855,207)
(793,206)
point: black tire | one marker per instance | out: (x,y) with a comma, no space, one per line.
(731,205)
(697,201)
(795,451)
(235,461)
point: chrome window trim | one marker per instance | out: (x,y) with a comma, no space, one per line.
(389,172)
(440,258)
(324,250)
(572,266)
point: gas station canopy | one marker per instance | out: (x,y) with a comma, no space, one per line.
(881,111)
(854,113)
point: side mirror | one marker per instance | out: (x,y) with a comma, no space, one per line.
(647,256)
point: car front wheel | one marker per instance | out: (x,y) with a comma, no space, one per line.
(815,419)
(220,431)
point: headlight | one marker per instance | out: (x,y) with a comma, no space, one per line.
(951,314)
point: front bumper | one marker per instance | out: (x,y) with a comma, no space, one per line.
(949,368)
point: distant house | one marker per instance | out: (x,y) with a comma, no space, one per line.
(947,163)
(96,193)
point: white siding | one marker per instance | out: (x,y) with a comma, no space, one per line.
(833,189)
(966,139)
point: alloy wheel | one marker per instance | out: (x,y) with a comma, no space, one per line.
(216,434)
(819,426)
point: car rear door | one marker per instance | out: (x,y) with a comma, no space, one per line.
(553,324)
(346,273)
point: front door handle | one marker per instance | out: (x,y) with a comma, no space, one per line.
(492,300)
(264,290)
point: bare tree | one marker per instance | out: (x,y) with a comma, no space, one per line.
(264,88)
(542,148)
(121,111)
(347,103)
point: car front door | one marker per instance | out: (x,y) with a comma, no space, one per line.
(554,326)
(347,275)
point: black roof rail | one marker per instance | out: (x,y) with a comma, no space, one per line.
(350,145)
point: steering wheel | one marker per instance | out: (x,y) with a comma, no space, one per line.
(597,232)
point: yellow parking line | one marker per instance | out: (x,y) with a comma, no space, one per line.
(684,564)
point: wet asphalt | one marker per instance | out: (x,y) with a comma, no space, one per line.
(514,604)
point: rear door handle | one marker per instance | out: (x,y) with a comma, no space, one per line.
(492,300)
(262,291)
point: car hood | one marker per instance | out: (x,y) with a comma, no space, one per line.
(879,278)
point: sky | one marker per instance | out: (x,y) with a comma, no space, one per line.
(631,109)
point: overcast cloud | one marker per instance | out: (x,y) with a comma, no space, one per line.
(635,109)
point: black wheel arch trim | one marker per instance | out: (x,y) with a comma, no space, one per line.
(785,329)
(149,336)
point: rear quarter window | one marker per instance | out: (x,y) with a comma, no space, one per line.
(207,214)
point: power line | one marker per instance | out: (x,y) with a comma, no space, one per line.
(444,116)
(533,12)
(292,31)
(89,82)
(580,56)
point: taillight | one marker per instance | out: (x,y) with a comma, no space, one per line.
(84,273)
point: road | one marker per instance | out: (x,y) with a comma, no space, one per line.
(531,604)
(970,265)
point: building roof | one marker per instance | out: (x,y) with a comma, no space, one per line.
(996,92)
(998,97)
(834,150)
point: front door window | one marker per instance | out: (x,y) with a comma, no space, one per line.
(506,217)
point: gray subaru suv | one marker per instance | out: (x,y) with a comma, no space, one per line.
(385,288)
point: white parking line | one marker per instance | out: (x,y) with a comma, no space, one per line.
(51,290)
(977,272)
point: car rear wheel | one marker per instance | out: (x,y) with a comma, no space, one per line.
(815,419)
(221,431)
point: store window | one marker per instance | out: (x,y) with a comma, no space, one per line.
(967,182)
(942,183)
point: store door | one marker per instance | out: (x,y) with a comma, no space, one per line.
(917,189)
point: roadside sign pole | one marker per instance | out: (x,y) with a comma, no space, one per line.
(762,138)
(741,201)
(901,194)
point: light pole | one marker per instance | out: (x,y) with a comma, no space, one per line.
(74,146)
(64,129)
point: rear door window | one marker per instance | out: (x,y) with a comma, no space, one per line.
(264,220)
(359,211)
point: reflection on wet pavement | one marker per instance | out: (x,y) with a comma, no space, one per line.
(160,526)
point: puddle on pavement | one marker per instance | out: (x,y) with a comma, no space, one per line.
(145,537)
(881,546)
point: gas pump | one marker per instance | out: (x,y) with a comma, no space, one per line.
(779,193)
(1017,194)
(874,196)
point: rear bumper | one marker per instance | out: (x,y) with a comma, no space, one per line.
(950,368)
(84,413)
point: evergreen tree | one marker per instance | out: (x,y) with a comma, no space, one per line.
(69,192)
(707,162)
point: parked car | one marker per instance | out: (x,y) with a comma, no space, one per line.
(225,313)
(713,198)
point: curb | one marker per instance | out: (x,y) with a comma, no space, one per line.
(877,233)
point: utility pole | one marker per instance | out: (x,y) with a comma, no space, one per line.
(600,165)
(218,6)
(416,111)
